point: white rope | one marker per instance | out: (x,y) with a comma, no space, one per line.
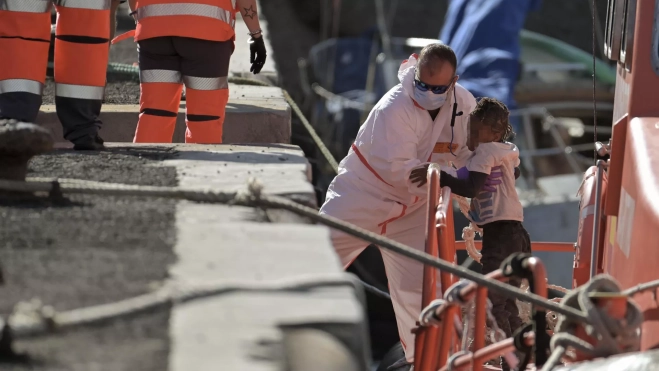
(469,232)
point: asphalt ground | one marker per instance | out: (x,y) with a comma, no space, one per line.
(88,250)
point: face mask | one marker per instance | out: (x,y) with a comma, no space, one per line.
(429,100)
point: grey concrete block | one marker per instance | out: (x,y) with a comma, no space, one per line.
(221,244)
(254,114)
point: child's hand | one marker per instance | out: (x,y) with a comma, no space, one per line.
(420,175)
(493,179)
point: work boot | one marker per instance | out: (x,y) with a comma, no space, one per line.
(95,144)
(401,365)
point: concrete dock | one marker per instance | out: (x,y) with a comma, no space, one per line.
(91,249)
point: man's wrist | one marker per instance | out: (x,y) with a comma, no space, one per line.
(256,34)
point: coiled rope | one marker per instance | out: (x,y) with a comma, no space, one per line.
(611,336)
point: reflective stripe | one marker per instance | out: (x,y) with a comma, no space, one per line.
(201,10)
(588,210)
(27,6)
(79,91)
(368,166)
(85,4)
(148,76)
(21,86)
(205,83)
(233,4)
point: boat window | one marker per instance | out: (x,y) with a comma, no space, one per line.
(627,42)
(613,31)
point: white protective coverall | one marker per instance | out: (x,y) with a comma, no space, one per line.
(372,189)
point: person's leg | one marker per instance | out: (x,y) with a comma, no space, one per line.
(500,240)
(205,67)
(81,60)
(26,27)
(519,239)
(160,85)
(406,275)
(493,254)
(341,203)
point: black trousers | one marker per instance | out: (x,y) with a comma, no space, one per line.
(500,240)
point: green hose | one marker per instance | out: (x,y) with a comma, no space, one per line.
(124,69)
(604,74)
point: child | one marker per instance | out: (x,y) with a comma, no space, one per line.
(499,213)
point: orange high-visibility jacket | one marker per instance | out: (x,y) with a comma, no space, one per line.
(200,19)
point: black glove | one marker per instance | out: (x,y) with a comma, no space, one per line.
(257,54)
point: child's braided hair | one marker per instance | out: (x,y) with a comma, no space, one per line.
(494,114)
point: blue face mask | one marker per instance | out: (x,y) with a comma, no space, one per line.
(429,100)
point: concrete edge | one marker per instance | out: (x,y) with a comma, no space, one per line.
(254,114)
(214,243)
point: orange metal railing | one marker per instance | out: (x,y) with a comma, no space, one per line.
(537,246)
(426,336)
(433,342)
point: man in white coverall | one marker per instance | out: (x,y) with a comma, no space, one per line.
(408,127)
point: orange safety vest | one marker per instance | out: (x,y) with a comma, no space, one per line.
(200,19)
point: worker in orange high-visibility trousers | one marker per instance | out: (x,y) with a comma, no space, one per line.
(188,42)
(81,58)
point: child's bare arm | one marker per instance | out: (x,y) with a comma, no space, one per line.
(468,187)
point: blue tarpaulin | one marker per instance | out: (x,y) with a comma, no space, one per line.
(485,37)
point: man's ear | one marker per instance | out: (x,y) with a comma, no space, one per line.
(457,77)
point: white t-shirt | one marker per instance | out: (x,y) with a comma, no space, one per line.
(503,204)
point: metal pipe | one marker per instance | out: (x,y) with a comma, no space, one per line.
(447,336)
(562,145)
(556,150)
(468,292)
(425,354)
(539,108)
(490,351)
(446,237)
(370,73)
(529,136)
(596,218)
(539,272)
(446,250)
(389,67)
(537,246)
(481,318)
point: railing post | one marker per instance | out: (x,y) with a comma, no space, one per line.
(426,337)
(446,237)
(432,349)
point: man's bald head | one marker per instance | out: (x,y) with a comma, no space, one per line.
(434,55)
(437,64)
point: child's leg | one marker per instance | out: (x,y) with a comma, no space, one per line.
(519,237)
(500,240)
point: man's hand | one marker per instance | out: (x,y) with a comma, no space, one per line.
(420,175)
(257,54)
(493,179)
